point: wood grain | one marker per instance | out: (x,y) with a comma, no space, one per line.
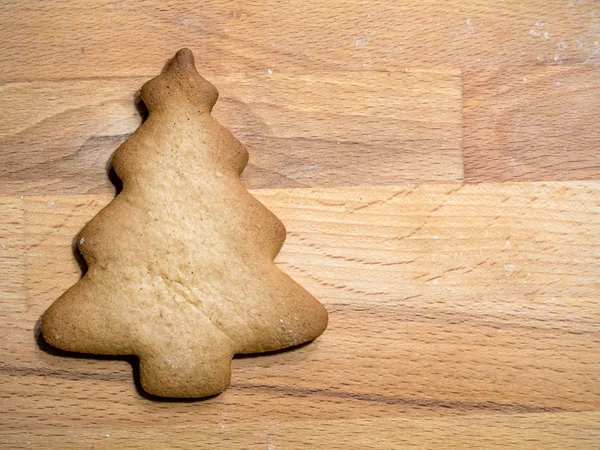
(526,431)
(461,316)
(314,129)
(73,39)
(12,256)
(544,127)
(473,307)
(491,43)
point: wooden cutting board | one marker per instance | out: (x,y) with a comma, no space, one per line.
(437,167)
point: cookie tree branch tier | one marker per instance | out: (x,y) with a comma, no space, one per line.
(181,268)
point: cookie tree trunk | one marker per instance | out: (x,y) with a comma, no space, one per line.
(181,268)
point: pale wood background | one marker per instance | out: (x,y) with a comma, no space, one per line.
(437,165)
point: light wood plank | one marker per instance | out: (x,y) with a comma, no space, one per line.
(13,295)
(544,127)
(315,129)
(476,37)
(474,302)
(70,38)
(527,431)
(107,39)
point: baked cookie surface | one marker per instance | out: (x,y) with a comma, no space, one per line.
(180,263)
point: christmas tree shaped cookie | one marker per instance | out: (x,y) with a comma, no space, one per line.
(181,268)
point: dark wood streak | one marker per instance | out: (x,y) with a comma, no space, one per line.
(66,374)
(411,402)
(423,403)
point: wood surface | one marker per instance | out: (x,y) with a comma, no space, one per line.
(403,126)
(437,167)
(476,301)
(535,124)
(265,55)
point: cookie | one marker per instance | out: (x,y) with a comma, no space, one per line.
(180,263)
